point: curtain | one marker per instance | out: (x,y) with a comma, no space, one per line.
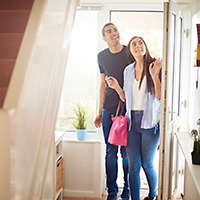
(34,93)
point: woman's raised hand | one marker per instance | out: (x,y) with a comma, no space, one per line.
(154,68)
(112,82)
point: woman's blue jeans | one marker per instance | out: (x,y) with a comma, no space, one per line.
(111,158)
(142,145)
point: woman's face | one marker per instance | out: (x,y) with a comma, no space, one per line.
(137,48)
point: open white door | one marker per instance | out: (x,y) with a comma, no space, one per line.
(174,104)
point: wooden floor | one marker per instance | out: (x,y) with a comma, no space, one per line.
(70,198)
(103,198)
(142,195)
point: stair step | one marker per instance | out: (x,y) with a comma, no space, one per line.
(13,21)
(10,43)
(6,68)
(16,4)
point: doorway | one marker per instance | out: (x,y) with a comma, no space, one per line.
(88,24)
(149,25)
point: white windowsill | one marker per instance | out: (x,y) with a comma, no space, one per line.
(95,137)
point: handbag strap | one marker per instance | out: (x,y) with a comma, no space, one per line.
(118,107)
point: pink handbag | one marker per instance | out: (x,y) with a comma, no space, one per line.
(118,131)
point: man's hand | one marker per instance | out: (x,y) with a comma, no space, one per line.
(98,121)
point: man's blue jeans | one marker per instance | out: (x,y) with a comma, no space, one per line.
(142,145)
(111,158)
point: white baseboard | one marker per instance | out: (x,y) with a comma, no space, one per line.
(82,194)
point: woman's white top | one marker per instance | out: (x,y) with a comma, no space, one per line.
(151,113)
(138,94)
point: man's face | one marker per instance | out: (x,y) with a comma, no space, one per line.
(111,35)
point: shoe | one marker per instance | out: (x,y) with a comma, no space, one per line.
(124,195)
(123,198)
(150,198)
(112,197)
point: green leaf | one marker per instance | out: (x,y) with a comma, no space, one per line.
(79,120)
(194,133)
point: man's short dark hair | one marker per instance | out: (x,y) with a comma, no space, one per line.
(108,24)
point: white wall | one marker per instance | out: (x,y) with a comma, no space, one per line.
(194,92)
(83,168)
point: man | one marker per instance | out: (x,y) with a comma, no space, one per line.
(112,62)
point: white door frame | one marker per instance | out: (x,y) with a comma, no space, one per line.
(170,119)
(163,186)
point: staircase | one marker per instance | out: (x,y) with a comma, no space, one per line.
(14,16)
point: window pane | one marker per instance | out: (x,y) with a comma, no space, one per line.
(180,65)
(149,25)
(80,85)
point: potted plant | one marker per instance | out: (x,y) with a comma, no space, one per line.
(196,147)
(80,122)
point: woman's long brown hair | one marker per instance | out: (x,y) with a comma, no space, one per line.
(147,61)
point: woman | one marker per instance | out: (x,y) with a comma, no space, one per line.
(142,92)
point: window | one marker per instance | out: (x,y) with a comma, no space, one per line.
(82,73)
(80,85)
(180,65)
(148,24)
(173,42)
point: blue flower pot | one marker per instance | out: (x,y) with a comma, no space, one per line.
(81,134)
